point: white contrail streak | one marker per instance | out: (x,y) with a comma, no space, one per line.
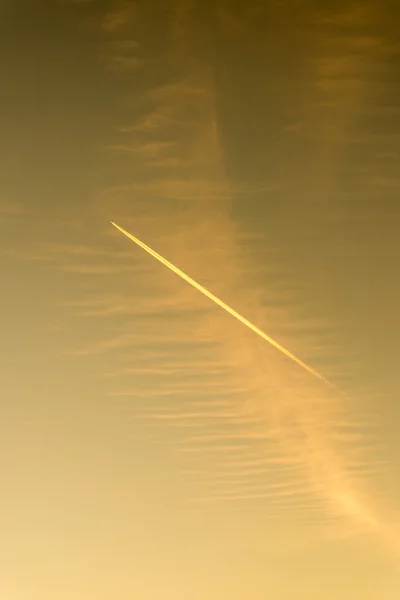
(222,304)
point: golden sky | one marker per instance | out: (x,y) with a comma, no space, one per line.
(152,446)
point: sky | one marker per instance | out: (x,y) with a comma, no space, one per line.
(153,447)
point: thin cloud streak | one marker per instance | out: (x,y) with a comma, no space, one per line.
(222,304)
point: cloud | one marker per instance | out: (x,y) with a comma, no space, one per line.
(122,62)
(99,269)
(82,251)
(120,16)
(297,415)
(80,258)
(268,431)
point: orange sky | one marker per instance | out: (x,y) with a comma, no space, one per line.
(154,447)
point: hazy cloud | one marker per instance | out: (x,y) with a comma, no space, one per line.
(276,416)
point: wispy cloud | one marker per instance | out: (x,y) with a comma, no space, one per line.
(79,258)
(268,430)
(120,16)
(122,62)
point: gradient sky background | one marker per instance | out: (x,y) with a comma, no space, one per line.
(152,447)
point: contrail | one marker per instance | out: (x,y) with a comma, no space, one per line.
(222,304)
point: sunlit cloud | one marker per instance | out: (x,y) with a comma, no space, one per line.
(170,347)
